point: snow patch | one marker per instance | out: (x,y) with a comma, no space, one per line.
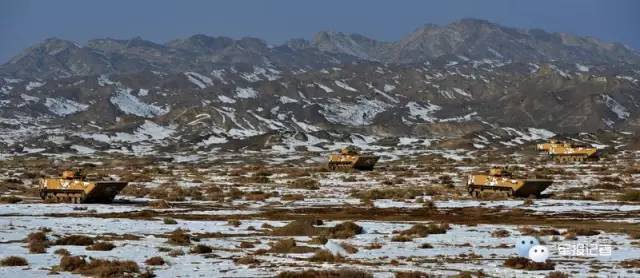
(63,106)
(345,86)
(422,112)
(131,105)
(615,107)
(354,114)
(246,92)
(226,99)
(199,80)
(34,84)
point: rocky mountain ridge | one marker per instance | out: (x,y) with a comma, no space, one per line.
(471,84)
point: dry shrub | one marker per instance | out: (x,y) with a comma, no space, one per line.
(179,237)
(412,274)
(420,230)
(245,245)
(159,204)
(557,274)
(256,179)
(527,231)
(38,247)
(344,230)
(305,183)
(169,221)
(157,260)
(349,248)
(213,193)
(176,253)
(112,237)
(101,246)
(631,263)
(247,260)
(36,237)
(500,233)
(339,273)
(548,232)
(426,246)
(288,245)
(306,227)
(292,197)
(325,256)
(9,200)
(71,263)
(570,236)
(401,238)
(234,193)
(62,252)
(98,267)
(298,227)
(201,249)
(630,196)
(80,240)
(175,193)
(321,240)
(136,190)
(37,242)
(584,231)
(349,179)
(13,261)
(526,264)
(257,196)
(401,193)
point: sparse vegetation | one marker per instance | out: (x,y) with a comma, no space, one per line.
(201,249)
(98,267)
(527,264)
(289,245)
(13,261)
(411,274)
(81,240)
(101,246)
(62,252)
(630,196)
(179,237)
(169,221)
(311,273)
(325,256)
(247,260)
(305,183)
(9,200)
(155,261)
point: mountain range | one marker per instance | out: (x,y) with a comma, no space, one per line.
(469,84)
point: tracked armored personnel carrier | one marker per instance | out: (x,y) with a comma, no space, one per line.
(545,147)
(563,151)
(350,158)
(73,187)
(502,181)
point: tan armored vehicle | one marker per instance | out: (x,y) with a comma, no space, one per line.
(72,187)
(502,181)
(563,151)
(350,158)
(545,147)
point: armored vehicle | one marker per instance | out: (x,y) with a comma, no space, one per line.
(502,181)
(73,187)
(350,158)
(563,151)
